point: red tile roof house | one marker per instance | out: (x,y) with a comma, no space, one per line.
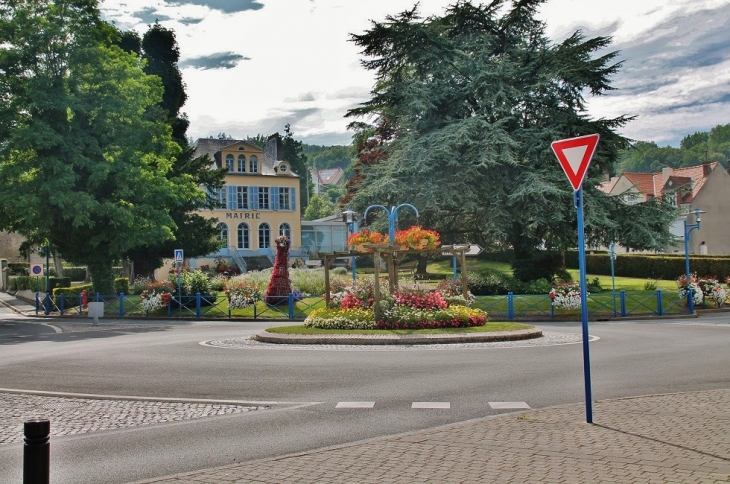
(705,186)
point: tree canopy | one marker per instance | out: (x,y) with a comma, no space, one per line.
(694,149)
(465,107)
(194,233)
(84,157)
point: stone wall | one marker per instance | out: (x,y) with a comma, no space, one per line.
(9,246)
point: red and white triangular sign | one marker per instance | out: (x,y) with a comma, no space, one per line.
(574,155)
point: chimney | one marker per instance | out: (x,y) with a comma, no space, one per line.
(275,147)
(666,173)
(706,169)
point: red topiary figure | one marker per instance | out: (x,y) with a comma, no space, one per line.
(279,285)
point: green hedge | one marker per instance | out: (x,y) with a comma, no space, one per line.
(71,295)
(33,283)
(652,266)
(121,285)
(19,268)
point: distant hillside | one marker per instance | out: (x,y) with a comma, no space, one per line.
(322,157)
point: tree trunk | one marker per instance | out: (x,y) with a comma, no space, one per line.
(102,277)
(143,268)
(57,265)
(422,262)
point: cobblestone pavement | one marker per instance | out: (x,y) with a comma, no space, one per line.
(677,438)
(71,416)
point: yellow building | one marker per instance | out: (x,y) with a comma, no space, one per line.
(259,201)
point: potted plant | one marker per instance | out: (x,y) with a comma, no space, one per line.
(416,237)
(357,239)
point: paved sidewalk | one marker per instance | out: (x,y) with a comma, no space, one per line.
(675,438)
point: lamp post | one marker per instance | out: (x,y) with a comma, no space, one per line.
(688,228)
(612,254)
(392,217)
(348,216)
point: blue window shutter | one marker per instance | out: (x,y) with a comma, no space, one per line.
(275,198)
(293,195)
(254,198)
(231,198)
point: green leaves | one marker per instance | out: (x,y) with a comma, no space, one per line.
(465,108)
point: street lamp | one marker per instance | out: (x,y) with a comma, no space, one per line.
(612,249)
(348,216)
(688,228)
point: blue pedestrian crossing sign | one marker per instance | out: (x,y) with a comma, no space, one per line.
(179,256)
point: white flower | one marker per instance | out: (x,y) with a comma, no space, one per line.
(152,302)
(697,294)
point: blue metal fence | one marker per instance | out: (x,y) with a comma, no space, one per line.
(506,307)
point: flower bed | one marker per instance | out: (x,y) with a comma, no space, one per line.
(684,285)
(241,294)
(566,295)
(407,309)
(156,295)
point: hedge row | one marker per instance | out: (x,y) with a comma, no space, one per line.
(652,266)
(76,274)
(33,283)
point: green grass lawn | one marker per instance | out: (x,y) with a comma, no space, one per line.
(487,328)
(622,283)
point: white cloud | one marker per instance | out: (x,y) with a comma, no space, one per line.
(299,48)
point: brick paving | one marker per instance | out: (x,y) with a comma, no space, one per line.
(71,416)
(677,438)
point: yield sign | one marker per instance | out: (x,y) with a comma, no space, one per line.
(574,155)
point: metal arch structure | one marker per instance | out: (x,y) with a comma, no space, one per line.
(392,217)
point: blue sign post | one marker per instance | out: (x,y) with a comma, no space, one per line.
(179,258)
(575,155)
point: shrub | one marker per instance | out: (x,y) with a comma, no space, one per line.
(595,285)
(488,282)
(337,318)
(18,268)
(75,273)
(217,282)
(121,285)
(35,283)
(540,286)
(192,283)
(71,295)
(140,283)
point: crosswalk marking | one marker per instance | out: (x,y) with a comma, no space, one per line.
(507,405)
(355,405)
(445,405)
(438,405)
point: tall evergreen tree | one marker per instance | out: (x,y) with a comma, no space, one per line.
(294,154)
(466,106)
(194,233)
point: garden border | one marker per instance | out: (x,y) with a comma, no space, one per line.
(395,339)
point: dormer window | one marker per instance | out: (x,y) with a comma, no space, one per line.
(283,168)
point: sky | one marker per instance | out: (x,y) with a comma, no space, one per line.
(252,66)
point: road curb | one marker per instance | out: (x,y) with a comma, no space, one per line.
(397,339)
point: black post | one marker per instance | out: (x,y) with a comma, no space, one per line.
(37,452)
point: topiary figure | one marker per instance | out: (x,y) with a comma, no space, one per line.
(279,285)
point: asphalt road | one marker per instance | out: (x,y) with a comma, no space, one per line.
(303,387)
